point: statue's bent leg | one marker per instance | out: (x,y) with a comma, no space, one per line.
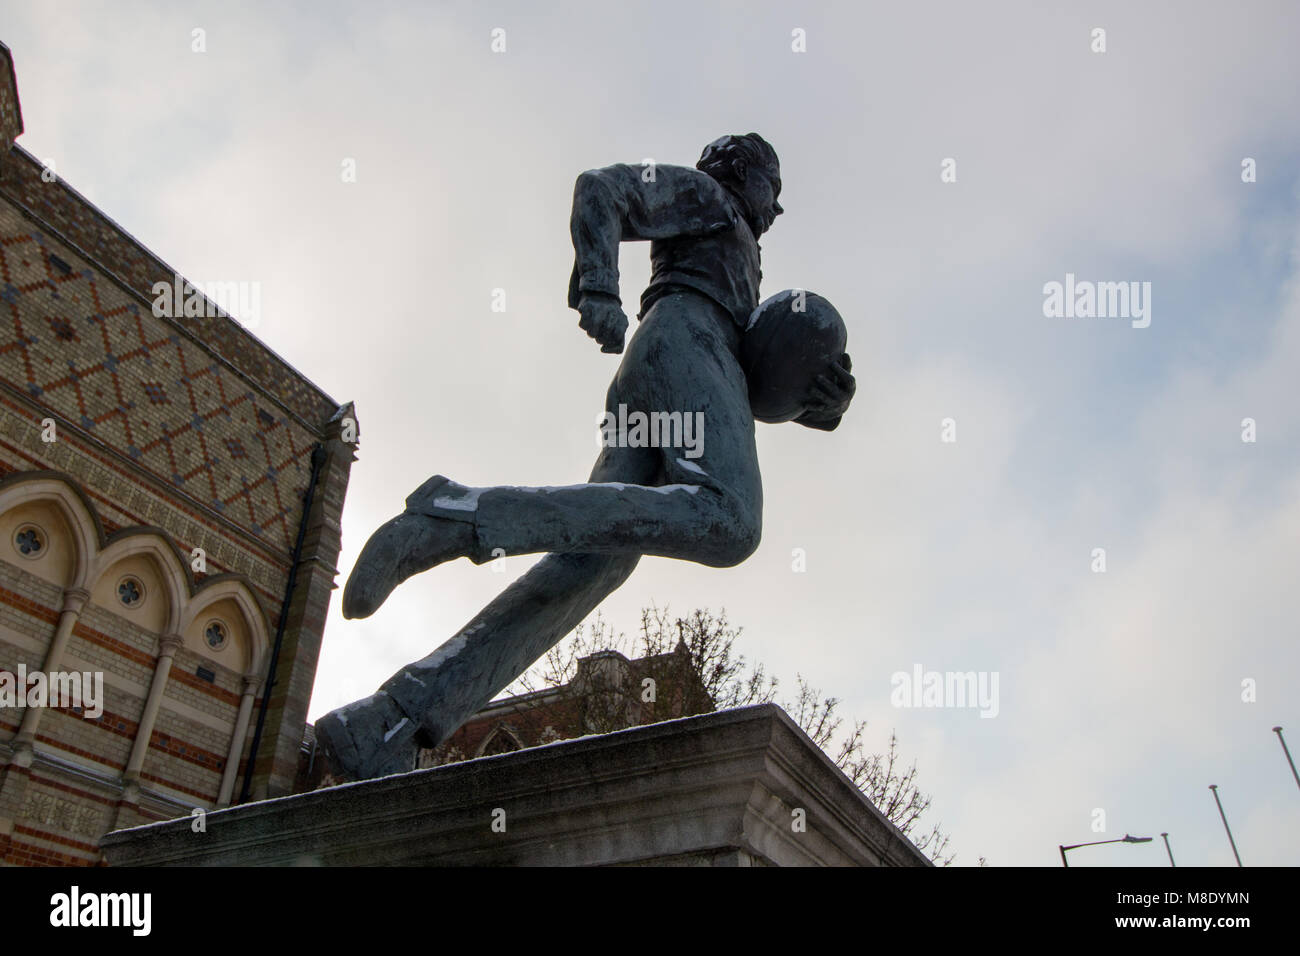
(682,391)
(683,398)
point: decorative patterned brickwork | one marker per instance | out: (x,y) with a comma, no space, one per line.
(77,343)
(107,243)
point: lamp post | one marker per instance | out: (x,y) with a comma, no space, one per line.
(1282,741)
(1125,839)
(1169,851)
(1215,788)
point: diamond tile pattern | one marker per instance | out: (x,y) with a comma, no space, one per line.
(76,343)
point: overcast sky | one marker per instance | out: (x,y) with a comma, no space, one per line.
(1119,690)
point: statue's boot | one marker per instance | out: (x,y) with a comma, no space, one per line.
(437,526)
(351,738)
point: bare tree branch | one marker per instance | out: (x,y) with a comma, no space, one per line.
(731,681)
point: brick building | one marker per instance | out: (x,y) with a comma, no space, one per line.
(170,498)
(608,692)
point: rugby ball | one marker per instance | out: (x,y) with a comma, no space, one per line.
(790,338)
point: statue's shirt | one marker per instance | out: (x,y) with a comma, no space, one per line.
(698,237)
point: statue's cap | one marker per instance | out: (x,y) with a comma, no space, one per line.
(752,145)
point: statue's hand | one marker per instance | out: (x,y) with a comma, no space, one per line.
(831,393)
(603,319)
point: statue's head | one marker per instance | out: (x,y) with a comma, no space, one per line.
(747,166)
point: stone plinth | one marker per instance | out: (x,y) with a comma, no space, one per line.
(719,789)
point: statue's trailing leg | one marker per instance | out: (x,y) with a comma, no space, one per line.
(427,701)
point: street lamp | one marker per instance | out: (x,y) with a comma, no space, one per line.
(1215,788)
(1125,839)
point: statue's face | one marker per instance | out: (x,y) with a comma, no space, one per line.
(758,187)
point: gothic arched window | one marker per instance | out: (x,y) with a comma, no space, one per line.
(500,741)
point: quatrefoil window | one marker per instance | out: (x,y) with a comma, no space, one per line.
(216,635)
(130,592)
(30,541)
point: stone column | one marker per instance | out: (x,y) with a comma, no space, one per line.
(237,741)
(74,599)
(167,647)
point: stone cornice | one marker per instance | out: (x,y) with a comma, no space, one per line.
(719,787)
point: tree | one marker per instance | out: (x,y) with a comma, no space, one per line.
(706,643)
(708,640)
